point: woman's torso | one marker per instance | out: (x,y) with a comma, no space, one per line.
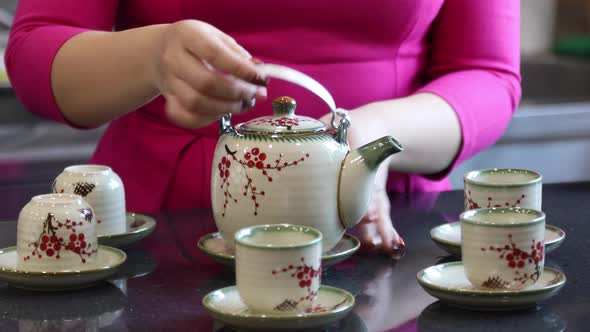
(360,51)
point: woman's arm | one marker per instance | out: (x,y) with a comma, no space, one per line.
(424,123)
(39,30)
(98,76)
(65,52)
(472,91)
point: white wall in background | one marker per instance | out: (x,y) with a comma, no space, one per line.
(551,139)
(537,25)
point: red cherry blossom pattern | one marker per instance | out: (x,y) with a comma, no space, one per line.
(254,160)
(287,122)
(51,245)
(470,204)
(304,275)
(517,258)
(318,308)
(224,172)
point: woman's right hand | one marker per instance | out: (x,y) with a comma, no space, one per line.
(203,74)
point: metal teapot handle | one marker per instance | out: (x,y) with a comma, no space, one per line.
(225,126)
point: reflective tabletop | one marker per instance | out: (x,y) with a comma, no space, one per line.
(161,285)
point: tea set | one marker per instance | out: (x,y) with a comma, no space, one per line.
(260,178)
(72,238)
(285,188)
(502,239)
(102,188)
(282,202)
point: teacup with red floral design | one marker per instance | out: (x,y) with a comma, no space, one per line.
(502,187)
(503,248)
(102,188)
(56,232)
(278,267)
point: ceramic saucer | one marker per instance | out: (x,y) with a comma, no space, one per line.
(448,283)
(213,245)
(139,226)
(448,237)
(106,264)
(226,306)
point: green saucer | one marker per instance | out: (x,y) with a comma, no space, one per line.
(139,226)
(106,264)
(448,283)
(226,306)
(214,246)
(448,237)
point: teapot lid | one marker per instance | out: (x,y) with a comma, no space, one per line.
(283,121)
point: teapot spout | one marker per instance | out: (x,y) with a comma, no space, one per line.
(357,178)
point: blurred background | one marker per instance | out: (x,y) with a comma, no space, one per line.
(549,133)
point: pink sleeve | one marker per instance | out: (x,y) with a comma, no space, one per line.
(475,67)
(40,28)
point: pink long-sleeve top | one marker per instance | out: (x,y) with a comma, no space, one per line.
(465,51)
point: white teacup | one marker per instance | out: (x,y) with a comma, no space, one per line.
(503,248)
(278,267)
(503,187)
(56,232)
(102,189)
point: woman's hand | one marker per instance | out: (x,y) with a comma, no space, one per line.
(375,228)
(203,74)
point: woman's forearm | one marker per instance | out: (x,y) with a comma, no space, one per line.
(425,125)
(98,76)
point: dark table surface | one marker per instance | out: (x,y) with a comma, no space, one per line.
(161,286)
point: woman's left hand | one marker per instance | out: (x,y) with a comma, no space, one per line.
(375,228)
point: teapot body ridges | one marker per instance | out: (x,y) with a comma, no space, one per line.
(265,179)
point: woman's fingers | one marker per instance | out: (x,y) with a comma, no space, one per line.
(196,102)
(385,230)
(188,108)
(376,229)
(180,116)
(233,44)
(205,74)
(367,233)
(202,40)
(208,82)
(383,221)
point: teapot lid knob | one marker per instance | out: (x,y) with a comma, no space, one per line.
(284,106)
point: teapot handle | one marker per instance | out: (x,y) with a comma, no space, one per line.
(299,78)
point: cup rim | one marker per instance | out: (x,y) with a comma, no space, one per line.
(242,233)
(467,217)
(88,169)
(56,198)
(471,177)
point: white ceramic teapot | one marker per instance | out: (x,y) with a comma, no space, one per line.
(286,168)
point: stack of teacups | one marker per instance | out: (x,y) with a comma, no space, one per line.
(56,232)
(278,267)
(59,232)
(503,228)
